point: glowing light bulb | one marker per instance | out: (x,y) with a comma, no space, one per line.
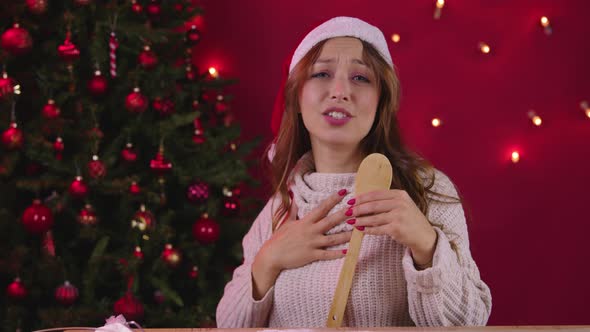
(436,122)
(484,48)
(438,9)
(395,38)
(585,107)
(515,156)
(537,121)
(546,25)
(213,72)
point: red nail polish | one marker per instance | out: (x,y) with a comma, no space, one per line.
(351,201)
(342,192)
(351,221)
(344,251)
(360,228)
(348,213)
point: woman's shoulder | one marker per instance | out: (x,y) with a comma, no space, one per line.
(439,183)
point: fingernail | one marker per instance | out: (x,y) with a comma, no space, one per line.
(351,201)
(344,251)
(342,192)
(360,228)
(351,221)
(348,212)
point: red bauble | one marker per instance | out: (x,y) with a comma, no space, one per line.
(154,9)
(87,216)
(193,36)
(16,40)
(199,134)
(37,7)
(221,106)
(194,272)
(160,165)
(130,307)
(134,188)
(138,253)
(136,7)
(171,256)
(16,290)
(129,154)
(96,169)
(159,297)
(98,84)
(190,73)
(58,147)
(37,218)
(143,219)
(205,230)
(163,107)
(147,58)
(78,188)
(68,51)
(6,87)
(198,192)
(228,119)
(196,106)
(50,110)
(66,294)
(95,133)
(13,138)
(136,102)
(230,206)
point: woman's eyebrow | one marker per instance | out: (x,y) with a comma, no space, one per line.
(332,60)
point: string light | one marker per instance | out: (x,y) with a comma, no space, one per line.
(395,38)
(213,72)
(484,48)
(546,25)
(515,156)
(438,9)
(436,122)
(535,118)
(585,107)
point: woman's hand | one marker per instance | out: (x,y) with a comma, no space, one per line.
(394,213)
(299,242)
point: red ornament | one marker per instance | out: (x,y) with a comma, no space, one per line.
(230,206)
(12,138)
(160,165)
(96,168)
(16,40)
(49,244)
(136,7)
(199,134)
(50,110)
(37,218)
(6,86)
(37,7)
(68,51)
(138,253)
(228,119)
(58,147)
(196,106)
(198,192)
(147,58)
(66,294)
(193,36)
(194,272)
(205,230)
(129,307)
(98,84)
(129,154)
(154,10)
(143,219)
(221,106)
(78,188)
(163,107)
(159,297)
(190,73)
(171,256)
(134,188)
(136,102)
(16,290)
(87,216)
(95,133)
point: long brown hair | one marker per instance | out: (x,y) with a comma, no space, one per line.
(292,142)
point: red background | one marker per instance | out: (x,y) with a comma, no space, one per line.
(528,225)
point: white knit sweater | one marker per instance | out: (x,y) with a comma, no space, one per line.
(387,290)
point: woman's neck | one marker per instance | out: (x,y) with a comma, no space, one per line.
(336,159)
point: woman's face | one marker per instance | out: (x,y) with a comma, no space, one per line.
(339,98)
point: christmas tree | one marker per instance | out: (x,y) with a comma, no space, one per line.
(121,166)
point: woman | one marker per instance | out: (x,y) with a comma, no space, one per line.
(415,268)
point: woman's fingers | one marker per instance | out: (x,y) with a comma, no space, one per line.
(322,254)
(325,206)
(335,239)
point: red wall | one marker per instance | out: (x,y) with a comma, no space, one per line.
(529,228)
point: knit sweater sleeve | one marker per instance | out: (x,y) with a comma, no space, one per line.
(450,292)
(237,307)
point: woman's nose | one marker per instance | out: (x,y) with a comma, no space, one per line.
(340,89)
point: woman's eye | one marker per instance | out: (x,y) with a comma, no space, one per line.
(319,75)
(360,78)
